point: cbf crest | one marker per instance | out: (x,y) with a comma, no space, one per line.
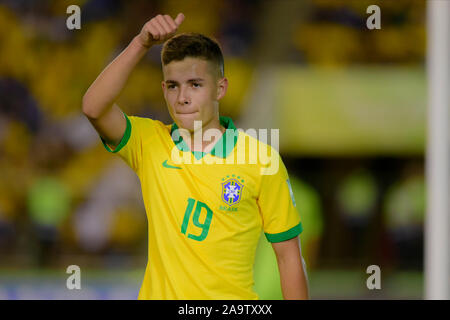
(232,189)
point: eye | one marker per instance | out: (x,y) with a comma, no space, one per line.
(171,86)
(196,85)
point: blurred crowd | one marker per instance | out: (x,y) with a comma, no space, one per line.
(334,33)
(61,193)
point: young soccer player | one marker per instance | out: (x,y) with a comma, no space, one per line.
(204,218)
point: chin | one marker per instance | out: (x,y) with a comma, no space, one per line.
(186,121)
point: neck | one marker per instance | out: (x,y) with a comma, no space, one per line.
(201,139)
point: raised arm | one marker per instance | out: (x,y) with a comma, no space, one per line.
(294,283)
(99,100)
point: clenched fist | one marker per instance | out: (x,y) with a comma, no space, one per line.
(159,29)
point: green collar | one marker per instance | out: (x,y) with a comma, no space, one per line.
(223,146)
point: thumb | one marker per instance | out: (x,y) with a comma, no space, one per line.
(179,19)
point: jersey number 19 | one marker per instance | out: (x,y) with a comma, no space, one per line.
(195,219)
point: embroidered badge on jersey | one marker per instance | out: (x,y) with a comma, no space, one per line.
(232,190)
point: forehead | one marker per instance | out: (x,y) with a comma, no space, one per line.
(188,68)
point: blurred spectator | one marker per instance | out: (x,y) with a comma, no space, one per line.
(94,10)
(357,195)
(48,205)
(17,103)
(236,33)
(48,197)
(15,174)
(404,212)
(7,229)
(335,33)
(7,233)
(95,221)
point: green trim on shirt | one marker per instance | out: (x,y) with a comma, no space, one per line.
(123,141)
(286,235)
(230,134)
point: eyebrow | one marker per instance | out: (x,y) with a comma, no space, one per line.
(190,80)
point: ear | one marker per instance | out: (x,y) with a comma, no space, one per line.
(163,86)
(222,86)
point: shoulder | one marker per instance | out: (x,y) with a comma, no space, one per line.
(146,125)
(257,146)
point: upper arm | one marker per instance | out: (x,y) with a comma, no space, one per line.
(111,125)
(292,268)
(289,249)
(281,220)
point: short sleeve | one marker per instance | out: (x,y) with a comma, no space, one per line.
(130,146)
(281,220)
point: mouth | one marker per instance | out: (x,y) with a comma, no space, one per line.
(186,113)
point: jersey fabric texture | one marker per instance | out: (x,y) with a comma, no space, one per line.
(205,211)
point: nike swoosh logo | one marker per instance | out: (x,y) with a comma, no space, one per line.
(166,165)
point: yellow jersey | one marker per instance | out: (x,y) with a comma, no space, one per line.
(205,211)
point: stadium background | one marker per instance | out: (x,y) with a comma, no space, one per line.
(349,103)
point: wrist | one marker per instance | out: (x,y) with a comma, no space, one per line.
(137,42)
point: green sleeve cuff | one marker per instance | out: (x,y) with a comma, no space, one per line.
(286,235)
(125,138)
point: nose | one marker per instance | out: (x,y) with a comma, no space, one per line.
(183,98)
